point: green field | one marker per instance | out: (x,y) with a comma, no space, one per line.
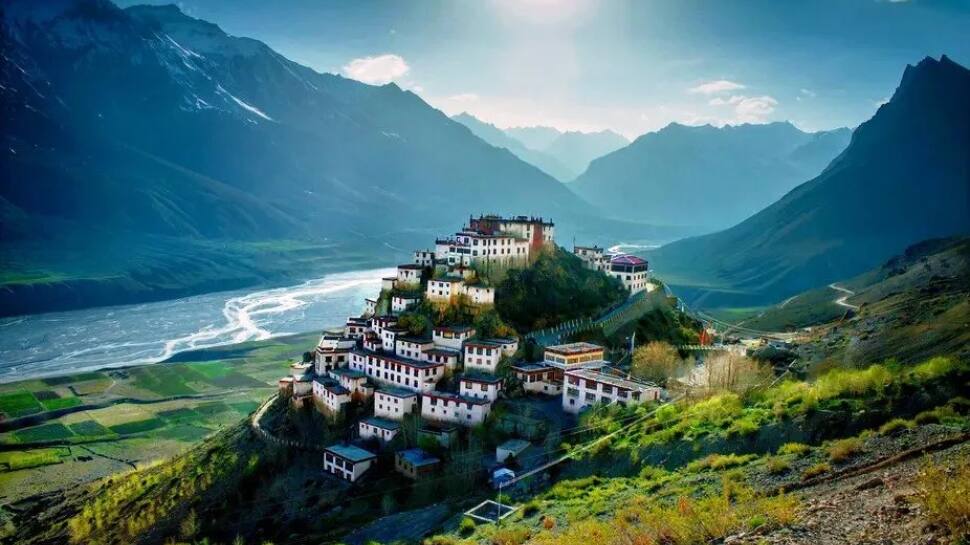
(235,380)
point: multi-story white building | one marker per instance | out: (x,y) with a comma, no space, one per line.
(593,257)
(586,387)
(479,294)
(575,356)
(539,378)
(509,346)
(330,395)
(301,369)
(394,403)
(453,408)
(482,356)
(443,290)
(480,385)
(370,306)
(412,347)
(332,351)
(356,327)
(390,335)
(631,271)
(446,356)
(451,336)
(536,231)
(378,428)
(388,282)
(386,369)
(424,258)
(355,382)
(492,248)
(408,275)
(347,461)
(401,303)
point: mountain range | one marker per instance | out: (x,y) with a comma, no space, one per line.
(131,130)
(904,178)
(563,155)
(706,176)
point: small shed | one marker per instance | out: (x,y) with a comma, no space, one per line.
(512,447)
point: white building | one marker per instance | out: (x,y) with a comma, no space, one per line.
(479,385)
(593,257)
(356,327)
(445,356)
(575,355)
(387,283)
(347,461)
(401,303)
(412,347)
(478,294)
(332,351)
(378,428)
(394,403)
(451,336)
(408,276)
(355,382)
(301,369)
(370,306)
(390,335)
(536,231)
(586,387)
(631,271)
(419,376)
(424,258)
(443,290)
(539,378)
(482,356)
(454,409)
(509,346)
(330,395)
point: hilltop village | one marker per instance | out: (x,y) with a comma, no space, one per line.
(456,376)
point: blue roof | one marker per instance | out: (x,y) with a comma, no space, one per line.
(382,423)
(418,457)
(350,452)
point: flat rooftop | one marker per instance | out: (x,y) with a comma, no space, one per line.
(382,423)
(350,452)
(418,457)
(397,392)
(572,349)
(613,380)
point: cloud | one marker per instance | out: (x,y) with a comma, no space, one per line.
(715,87)
(755,109)
(377,70)
(718,101)
(464,98)
(808,92)
(748,109)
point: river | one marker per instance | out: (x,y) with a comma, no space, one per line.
(81,340)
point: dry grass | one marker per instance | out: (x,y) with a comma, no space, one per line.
(843,449)
(944,494)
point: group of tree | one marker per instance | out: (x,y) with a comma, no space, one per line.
(555,288)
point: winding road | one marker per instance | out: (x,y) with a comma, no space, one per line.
(841,301)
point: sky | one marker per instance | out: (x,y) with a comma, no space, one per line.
(629,66)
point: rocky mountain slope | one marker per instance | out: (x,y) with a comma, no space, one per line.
(498,138)
(903,178)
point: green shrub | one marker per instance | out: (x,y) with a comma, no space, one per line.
(798,449)
(894,425)
(945,497)
(530,508)
(843,449)
(467,526)
(510,536)
(777,465)
(816,470)
(719,461)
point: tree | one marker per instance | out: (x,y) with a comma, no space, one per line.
(733,372)
(657,361)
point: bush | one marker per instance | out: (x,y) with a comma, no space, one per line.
(894,425)
(816,470)
(467,526)
(843,449)
(945,497)
(510,536)
(548,522)
(776,465)
(719,461)
(798,449)
(530,508)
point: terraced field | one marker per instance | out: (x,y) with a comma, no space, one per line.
(71,429)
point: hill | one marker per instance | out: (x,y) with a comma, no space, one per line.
(706,176)
(159,135)
(903,178)
(496,137)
